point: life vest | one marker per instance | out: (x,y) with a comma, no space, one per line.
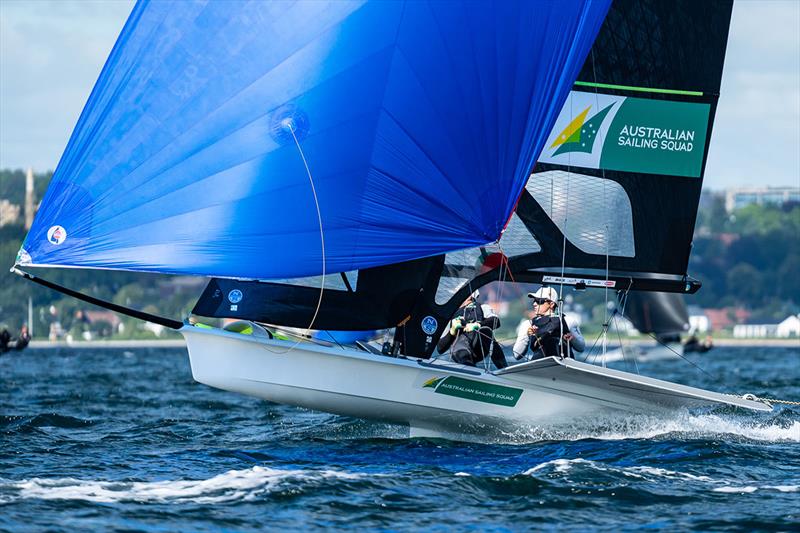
(550,330)
(467,340)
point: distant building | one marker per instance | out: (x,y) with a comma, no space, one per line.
(744,196)
(103,316)
(9,213)
(789,327)
(750,331)
(698,321)
(720,319)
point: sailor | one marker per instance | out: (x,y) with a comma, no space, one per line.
(693,344)
(5,337)
(23,339)
(20,343)
(470,336)
(545,328)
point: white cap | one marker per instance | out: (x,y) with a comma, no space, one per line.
(475,294)
(547,293)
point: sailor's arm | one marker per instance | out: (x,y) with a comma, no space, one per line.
(491,319)
(521,344)
(577,341)
(449,335)
(444,342)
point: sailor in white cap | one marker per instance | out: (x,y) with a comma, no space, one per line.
(546,327)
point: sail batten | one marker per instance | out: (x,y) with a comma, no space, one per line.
(420,122)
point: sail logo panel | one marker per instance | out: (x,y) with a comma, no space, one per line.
(602,131)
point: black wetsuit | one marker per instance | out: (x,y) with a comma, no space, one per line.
(470,348)
(21,342)
(544,343)
(5,337)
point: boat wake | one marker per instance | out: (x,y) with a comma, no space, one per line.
(778,428)
(232,486)
(685,426)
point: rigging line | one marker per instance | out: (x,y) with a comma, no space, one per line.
(502,271)
(484,359)
(564,246)
(289,125)
(622,348)
(605,310)
(598,339)
(563,265)
(334,339)
(755,398)
(501,282)
(590,351)
(701,369)
(603,174)
(624,303)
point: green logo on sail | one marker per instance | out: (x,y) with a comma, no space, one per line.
(474,390)
(580,134)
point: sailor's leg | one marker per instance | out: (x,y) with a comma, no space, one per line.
(462,356)
(498,357)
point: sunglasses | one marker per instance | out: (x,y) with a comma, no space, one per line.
(540,301)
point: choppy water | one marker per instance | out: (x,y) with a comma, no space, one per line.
(124,439)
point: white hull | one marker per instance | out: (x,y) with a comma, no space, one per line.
(457,399)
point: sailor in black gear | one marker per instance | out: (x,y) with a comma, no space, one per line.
(5,337)
(470,336)
(7,343)
(22,340)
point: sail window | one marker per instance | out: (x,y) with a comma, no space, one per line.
(517,240)
(594,213)
(462,266)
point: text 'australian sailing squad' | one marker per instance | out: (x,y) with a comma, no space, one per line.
(664,139)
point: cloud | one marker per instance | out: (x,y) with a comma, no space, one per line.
(756,137)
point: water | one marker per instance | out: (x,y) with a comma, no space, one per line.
(100,439)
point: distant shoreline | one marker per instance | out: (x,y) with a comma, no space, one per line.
(180,343)
(171,343)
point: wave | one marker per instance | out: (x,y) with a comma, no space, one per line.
(234,485)
(563,466)
(21,423)
(684,426)
(647,474)
(749,489)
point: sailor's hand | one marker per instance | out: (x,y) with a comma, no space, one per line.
(455,325)
(532,330)
(568,336)
(472,326)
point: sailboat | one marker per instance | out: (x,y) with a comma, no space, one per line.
(367,165)
(662,315)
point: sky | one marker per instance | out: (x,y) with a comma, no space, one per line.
(51,53)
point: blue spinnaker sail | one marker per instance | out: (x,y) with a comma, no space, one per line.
(419,121)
